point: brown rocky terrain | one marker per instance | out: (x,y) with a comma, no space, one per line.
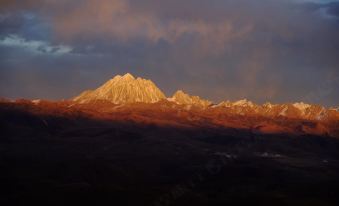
(60,153)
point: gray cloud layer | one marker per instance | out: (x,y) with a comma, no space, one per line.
(267,50)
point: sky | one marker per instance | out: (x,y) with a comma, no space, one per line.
(264,50)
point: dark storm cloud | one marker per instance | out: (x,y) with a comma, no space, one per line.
(270,50)
(328,10)
(333,9)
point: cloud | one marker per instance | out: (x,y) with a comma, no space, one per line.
(35,46)
(123,21)
(326,9)
(129,20)
(265,50)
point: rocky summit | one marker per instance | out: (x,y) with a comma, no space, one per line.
(123,89)
(181,97)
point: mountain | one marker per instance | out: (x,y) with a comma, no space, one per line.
(297,110)
(244,103)
(182,98)
(148,154)
(256,119)
(123,89)
(127,89)
(98,149)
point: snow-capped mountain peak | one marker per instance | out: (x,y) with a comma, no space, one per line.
(128,76)
(243,103)
(180,97)
(124,89)
(301,106)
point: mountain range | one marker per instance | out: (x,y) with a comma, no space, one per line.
(127,89)
(126,143)
(129,99)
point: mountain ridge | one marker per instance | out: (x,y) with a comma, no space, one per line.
(126,89)
(182,98)
(168,114)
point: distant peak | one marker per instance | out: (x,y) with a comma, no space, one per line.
(180,97)
(243,102)
(301,105)
(179,92)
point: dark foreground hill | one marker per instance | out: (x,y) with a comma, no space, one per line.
(160,154)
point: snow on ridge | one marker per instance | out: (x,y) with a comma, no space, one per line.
(243,102)
(36,101)
(301,106)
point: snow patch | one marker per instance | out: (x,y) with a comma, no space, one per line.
(36,101)
(243,103)
(301,106)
